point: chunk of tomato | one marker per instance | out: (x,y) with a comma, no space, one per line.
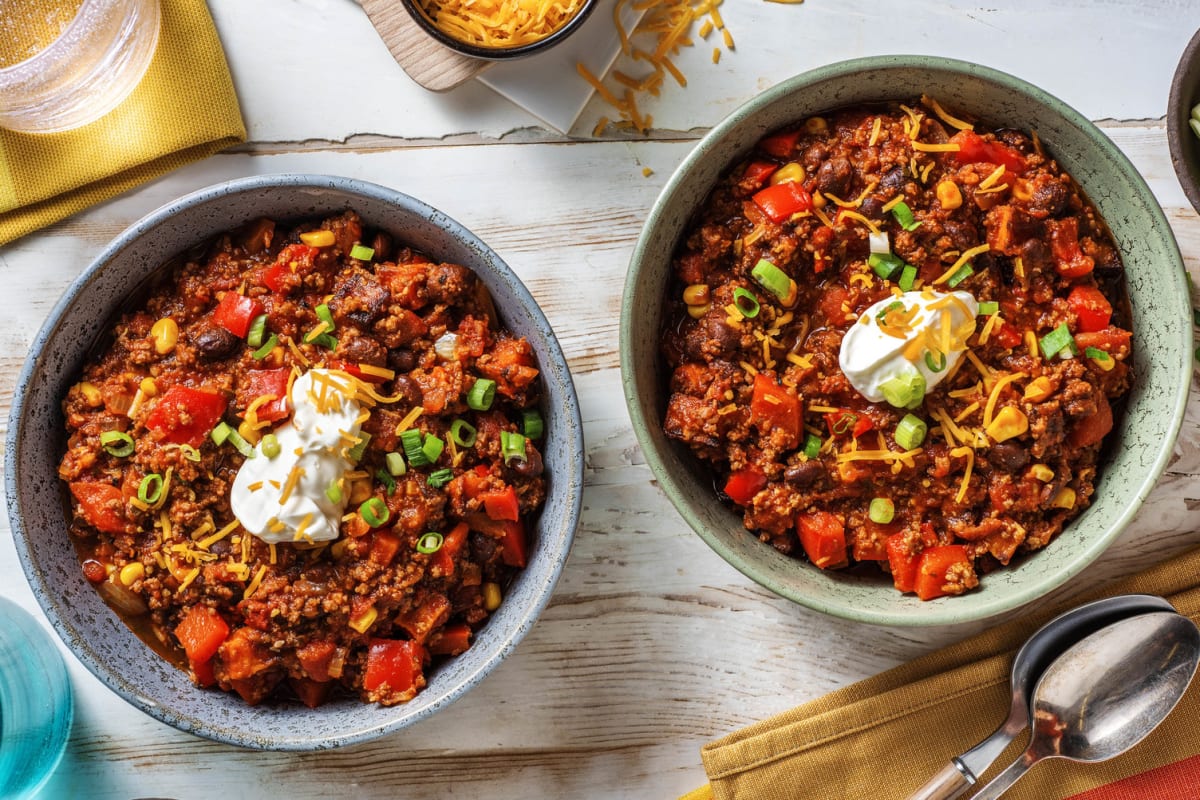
(1092,430)
(846,422)
(773,407)
(743,484)
(102,505)
(973,149)
(780,144)
(292,263)
(1069,258)
(934,578)
(392,663)
(271,383)
(514,546)
(184,415)
(201,633)
(823,535)
(1091,308)
(782,200)
(757,172)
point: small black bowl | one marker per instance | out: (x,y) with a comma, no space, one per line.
(1185,146)
(498,53)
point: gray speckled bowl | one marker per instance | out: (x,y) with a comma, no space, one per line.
(35,443)
(1185,147)
(1162,332)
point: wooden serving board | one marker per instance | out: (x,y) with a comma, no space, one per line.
(427,61)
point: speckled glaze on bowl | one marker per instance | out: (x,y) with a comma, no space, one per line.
(1185,146)
(1162,332)
(36,442)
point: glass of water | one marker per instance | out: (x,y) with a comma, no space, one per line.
(36,708)
(65,63)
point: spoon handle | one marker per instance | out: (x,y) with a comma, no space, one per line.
(1004,781)
(947,784)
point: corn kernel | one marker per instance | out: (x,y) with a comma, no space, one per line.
(148,387)
(1010,421)
(1038,389)
(491,596)
(365,620)
(131,572)
(91,394)
(360,490)
(949,195)
(818,200)
(1042,473)
(338,550)
(696,312)
(165,334)
(815,125)
(1022,190)
(318,238)
(1064,499)
(249,432)
(697,294)
(788,173)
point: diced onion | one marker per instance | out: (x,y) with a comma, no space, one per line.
(879,242)
(122,598)
(446,345)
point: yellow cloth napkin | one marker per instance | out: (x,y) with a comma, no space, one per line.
(884,737)
(183,110)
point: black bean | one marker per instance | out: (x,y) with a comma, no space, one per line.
(213,341)
(804,474)
(1008,456)
(408,390)
(531,467)
(834,176)
(402,360)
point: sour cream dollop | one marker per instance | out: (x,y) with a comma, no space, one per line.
(873,353)
(311,448)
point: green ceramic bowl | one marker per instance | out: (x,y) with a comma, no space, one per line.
(1157,288)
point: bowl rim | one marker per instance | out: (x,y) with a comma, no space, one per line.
(982,607)
(545,580)
(414,9)
(1180,99)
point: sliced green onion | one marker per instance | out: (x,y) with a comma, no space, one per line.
(265,350)
(531,423)
(334,492)
(430,543)
(960,275)
(362,252)
(432,447)
(881,510)
(220,433)
(150,489)
(324,340)
(270,445)
(904,216)
(904,391)
(389,483)
(117,443)
(395,464)
(326,316)
(935,365)
(462,433)
(1196,111)
(512,445)
(745,302)
(775,281)
(374,512)
(1096,353)
(1194,124)
(988,307)
(439,478)
(886,265)
(910,432)
(908,277)
(844,423)
(355,453)
(242,446)
(481,395)
(895,305)
(1056,341)
(254,337)
(812,446)
(189,452)
(410,441)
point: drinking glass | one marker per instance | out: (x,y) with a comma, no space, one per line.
(36,708)
(65,63)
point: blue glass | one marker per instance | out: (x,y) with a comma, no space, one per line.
(35,704)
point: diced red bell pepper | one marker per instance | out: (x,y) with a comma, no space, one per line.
(235,312)
(272,382)
(936,563)
(1090,307)
(973,149)
(903,560)
(782,200)
(757,172)
(514,547)
(1092,430)
(353,369)
(472,481)
(823,535)
(780,144)
(311,693)
(1069,259)
(501,504)
(772,407)
(205,673)
(849,422)
(293,261)
(184,415)
(384,546)
(394,663)
(421,621)
(1114,341)
(744,484)
(201,633)
(1006,335)
(315,658)
(452,545)
(102,505)
(451,640)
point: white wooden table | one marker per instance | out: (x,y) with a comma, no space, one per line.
(652,644)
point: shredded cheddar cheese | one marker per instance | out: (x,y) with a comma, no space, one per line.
(963,258)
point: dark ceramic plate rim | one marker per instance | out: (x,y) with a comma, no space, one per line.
(497,53)
(383,721)
(1180,99)
(979,608)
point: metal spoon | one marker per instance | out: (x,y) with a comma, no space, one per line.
(1030,662)
(1107,693)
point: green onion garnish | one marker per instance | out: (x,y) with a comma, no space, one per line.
(326,316)
(395,464)
(242,446)
(410,441)
(512,446)
(462,433)
(389,483)
(745,302)
(960,275)
(270,445)
(439,478)
(935,365)
(844,423)
(324,340)
(904,216)
(886,265)
(374,512)
(531,423)
(904,391)
(910,432)
(117,443)
(267,347)
(333,492)
(220,433)
(189,452)
(150,489)
(895,305)
(908,277)
(812,446)
(355,453)
(481,395)
(254,337)
(775,281)
(1056,341)
(988,307)
(432,447)
(881,510)
(1096,353)
(430,543)
(362,253)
